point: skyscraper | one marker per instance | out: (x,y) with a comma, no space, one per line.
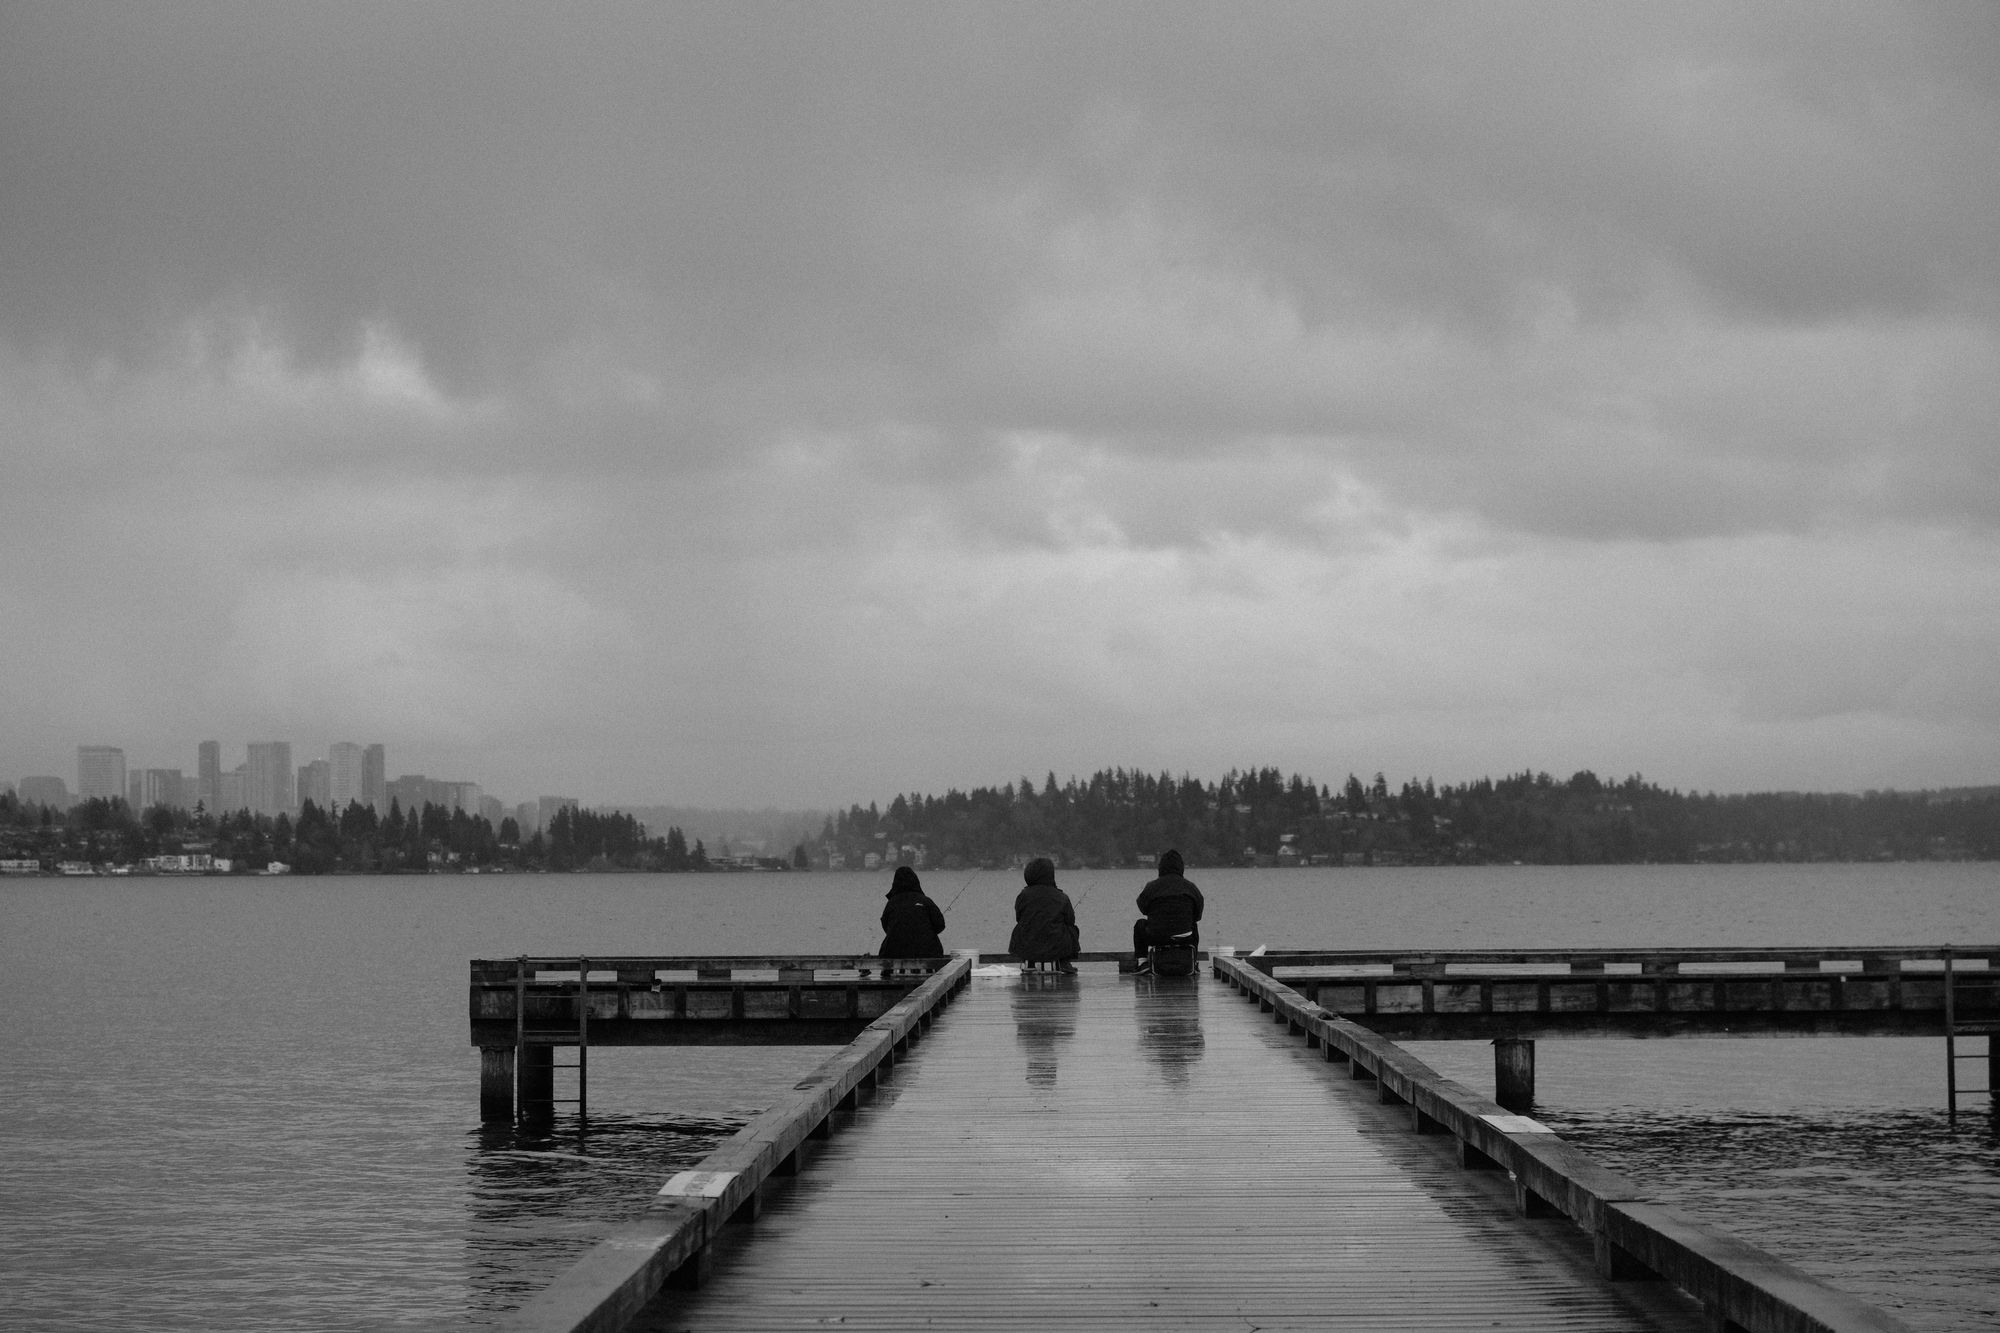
(549,806)
(230,790)
(100,772)
(161,786)
(268,780)
(43,790)
(208,784)
(411,792)
(316,784)
(343,762)
(375,779)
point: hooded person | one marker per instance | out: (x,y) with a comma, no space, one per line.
(910,920)
(1044,920)
(1172,905)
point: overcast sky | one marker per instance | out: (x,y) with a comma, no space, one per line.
(739,404)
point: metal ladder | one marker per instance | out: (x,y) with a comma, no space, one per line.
(582,1066)
(1953,1030)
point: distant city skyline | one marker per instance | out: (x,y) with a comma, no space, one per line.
(353,771)
(233,788)
(267,782)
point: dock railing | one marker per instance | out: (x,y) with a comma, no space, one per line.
(1739,1286)
(1466,993)
(1641,962)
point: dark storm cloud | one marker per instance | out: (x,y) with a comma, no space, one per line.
(791,193)
(491,181)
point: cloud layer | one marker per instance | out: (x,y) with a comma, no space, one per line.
(731,403)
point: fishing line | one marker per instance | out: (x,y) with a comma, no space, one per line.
(1088,889)
(961,892)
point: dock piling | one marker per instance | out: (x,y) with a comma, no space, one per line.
(1514,1072)
(537,1081)
(496,1083)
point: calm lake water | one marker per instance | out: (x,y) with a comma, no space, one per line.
(249,1104)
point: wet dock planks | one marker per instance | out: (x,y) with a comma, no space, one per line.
(1102,1152)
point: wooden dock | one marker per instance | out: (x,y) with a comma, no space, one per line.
(1103,1150)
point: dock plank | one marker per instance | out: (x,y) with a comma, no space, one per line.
(1099,1152)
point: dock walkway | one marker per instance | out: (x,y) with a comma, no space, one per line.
(1101,1151)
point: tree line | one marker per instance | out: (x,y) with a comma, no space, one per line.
(1262,817)
(356,839)
(1115,817)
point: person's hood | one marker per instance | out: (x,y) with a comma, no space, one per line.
(1041,870)
(905,881)
(1171,863)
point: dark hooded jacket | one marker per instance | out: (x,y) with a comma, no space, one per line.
(1044,921)
(1171,903)
(910,920)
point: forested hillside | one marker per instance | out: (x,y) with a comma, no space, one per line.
(1115,817)
(1261,817)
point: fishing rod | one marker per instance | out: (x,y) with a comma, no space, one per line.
(961,891)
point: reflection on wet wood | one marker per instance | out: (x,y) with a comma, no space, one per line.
(671,1244)
(1095,1151)
(1739,1286)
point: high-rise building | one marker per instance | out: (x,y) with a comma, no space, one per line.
(316,784)
(52,792)
(232,790)
(409,793)
(550,804)
(135,783)
(209,775)
(463,796)
(269,779)
(208,782)
(375,779)
(100,772)
(492,810)
(528,818)
(343,762)
(160,786)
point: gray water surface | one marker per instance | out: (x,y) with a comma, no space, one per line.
(249,1103)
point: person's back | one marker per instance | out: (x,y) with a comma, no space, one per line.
(910,920)
(1044,920)
(1173,907)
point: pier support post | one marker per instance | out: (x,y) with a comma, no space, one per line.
(1514,1072)
(693,1272)
(1614,1264)
(536,1078)
(496,1083)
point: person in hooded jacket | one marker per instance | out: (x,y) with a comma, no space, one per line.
(1172,905)
(910,920)
(1044,920)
